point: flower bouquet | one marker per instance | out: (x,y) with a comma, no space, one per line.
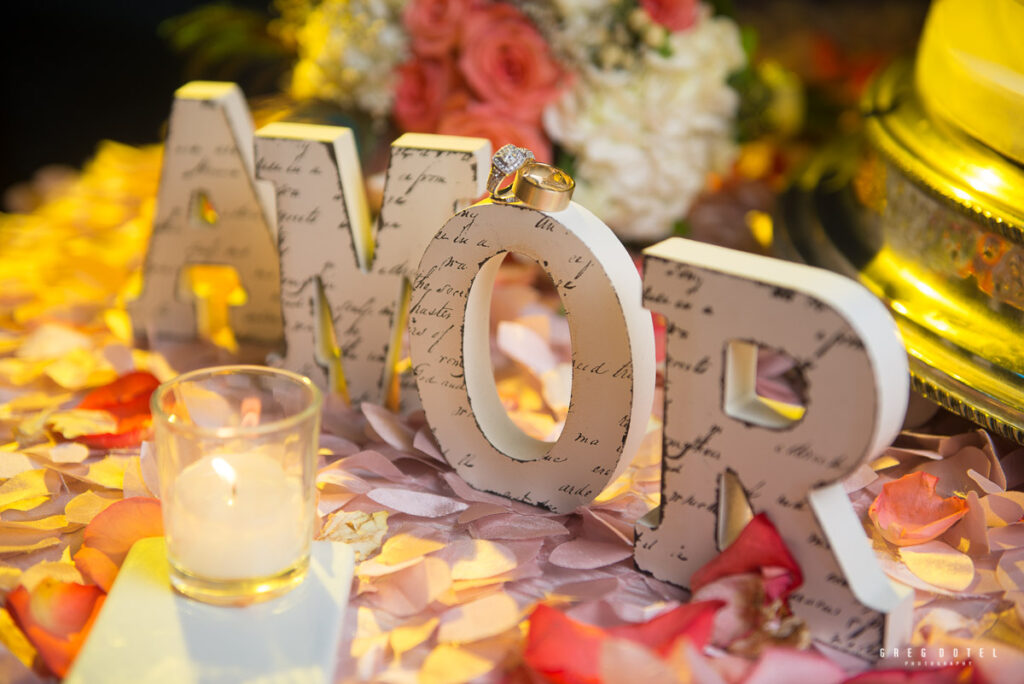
(632,97)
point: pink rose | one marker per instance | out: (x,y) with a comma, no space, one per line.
(483,120)
(675,15)
(433,25)
(423,88)
(507,62)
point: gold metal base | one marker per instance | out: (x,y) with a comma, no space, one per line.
(240,592)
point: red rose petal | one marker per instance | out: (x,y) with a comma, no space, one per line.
(758,548)
(127,398)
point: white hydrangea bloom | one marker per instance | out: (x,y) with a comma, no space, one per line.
(645,139)
(348,52)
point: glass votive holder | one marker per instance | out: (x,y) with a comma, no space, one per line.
(236,449)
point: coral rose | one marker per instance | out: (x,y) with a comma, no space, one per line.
(508,63)
(486,121)
(433,25)
(908,511)
(423,89)
(675,15)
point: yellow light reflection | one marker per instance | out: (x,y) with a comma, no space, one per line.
(215,289)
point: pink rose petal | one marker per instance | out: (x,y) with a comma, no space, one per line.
(909,511)
(420,504)
(583,554)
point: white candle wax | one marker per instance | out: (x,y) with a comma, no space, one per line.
(237,516)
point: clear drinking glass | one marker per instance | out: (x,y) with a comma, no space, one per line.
(236,449)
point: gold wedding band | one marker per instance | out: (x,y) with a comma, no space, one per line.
(543,186)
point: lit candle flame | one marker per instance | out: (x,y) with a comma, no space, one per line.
(227,473)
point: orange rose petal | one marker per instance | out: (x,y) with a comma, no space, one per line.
(908,511)
(96,566)
(61,608)
(117,527)
(68,608)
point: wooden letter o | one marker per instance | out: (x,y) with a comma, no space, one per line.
(612,352)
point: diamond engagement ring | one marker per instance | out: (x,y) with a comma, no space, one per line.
(505,162)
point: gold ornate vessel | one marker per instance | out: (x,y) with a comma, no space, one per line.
(932,221)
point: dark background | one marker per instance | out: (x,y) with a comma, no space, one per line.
(75,72)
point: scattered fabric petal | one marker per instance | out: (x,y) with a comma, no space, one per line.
(453,665)
(420,504)
(1007,537)
(480,510)
(516,526)
(938,564)
(584,554)
(1001,510)
(404,547)
(1010,571)
(478,558)
(525,346)
(387,426)
(970,534)
(411,635)
(479,619)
